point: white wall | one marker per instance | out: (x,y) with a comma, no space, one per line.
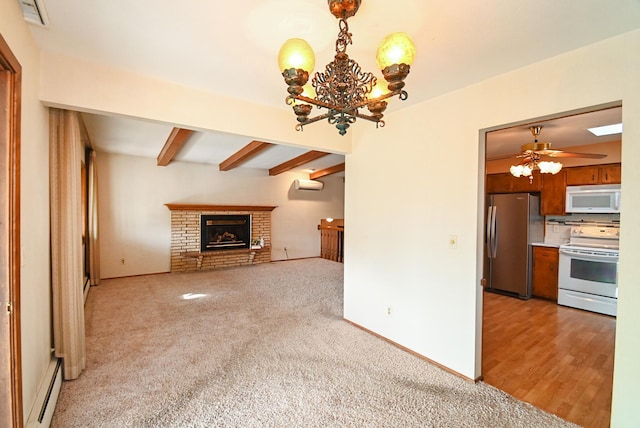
(434,176)
(35,287)
(135,225)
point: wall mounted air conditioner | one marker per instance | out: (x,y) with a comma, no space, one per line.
(307,184)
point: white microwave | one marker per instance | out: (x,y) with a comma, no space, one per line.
(599,198)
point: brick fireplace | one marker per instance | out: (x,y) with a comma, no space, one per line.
(186,248)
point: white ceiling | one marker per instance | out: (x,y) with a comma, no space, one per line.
(138,137)
(231,48)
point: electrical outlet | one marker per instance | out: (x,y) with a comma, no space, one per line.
(389,311)
(453,242)
(121,261)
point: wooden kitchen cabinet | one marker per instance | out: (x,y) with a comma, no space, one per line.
(553,187)
(611,174)
(545,272)
(507,183)
(553,195)
(594,174)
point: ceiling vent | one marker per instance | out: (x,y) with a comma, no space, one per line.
(34,12)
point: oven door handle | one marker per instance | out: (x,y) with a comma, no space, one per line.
(589,256)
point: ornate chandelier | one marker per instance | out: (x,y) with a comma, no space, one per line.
(343,88)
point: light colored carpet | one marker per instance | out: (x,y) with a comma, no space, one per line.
(261,346)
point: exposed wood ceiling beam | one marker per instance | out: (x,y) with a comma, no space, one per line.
(175,141)
(243,155)
(327,171)
(297,161)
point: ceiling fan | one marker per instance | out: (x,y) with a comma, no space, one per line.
(534,151)
(544,148)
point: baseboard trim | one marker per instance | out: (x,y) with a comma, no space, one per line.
(294,258)
(134,276)
(404,348)
(47,397)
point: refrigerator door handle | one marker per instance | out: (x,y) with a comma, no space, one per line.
(489,240)
(494,233)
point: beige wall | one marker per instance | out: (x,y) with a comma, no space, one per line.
(136,226)
(434,176)
(35,290)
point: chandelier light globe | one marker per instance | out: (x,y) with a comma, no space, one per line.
(296,54)
(396,48)
(307,91)
(378,90)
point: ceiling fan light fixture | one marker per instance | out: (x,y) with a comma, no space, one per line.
(547,167)
(526,169)
(520,170)
(533,151)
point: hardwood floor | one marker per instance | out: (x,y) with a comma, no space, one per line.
(559,359)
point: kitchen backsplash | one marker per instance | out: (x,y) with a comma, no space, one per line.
(558,227)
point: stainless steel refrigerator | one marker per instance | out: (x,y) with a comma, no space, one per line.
(513,223)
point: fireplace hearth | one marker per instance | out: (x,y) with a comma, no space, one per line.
(219,232)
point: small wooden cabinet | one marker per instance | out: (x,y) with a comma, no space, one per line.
(594,174)
(507,183)
(611,174)
(553,195)
(545,272)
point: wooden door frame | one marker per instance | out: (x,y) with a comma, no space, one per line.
(11,90)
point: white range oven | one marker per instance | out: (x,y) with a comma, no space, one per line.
(588,268)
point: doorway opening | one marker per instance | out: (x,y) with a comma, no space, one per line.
(10,348)
(559,359)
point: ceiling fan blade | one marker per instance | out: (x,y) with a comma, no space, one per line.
(561,154)
(511,156)
(495,158)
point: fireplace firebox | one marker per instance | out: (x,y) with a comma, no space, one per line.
(219,232)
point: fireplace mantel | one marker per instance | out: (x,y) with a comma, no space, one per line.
(206,207)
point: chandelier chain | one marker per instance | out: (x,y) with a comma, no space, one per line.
(344,36)
(343,83)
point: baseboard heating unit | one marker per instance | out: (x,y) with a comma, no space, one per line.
(45,404)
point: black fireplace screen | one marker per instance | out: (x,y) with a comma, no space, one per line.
(224,232)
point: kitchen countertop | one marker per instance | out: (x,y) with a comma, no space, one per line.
(545,244)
